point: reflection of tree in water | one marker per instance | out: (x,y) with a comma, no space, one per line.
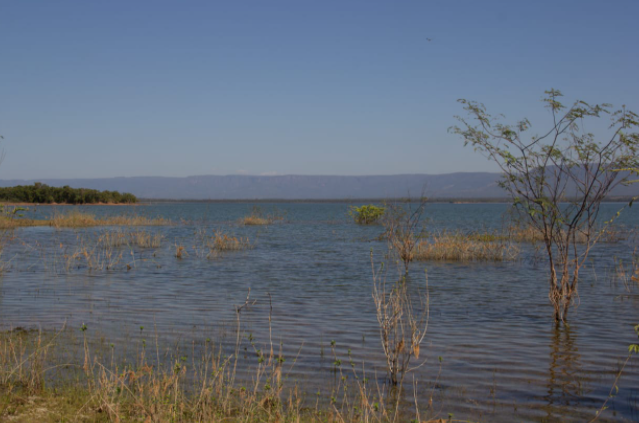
(565,381)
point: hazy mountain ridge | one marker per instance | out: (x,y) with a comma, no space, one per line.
(472,185)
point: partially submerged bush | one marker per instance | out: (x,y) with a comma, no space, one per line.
(367,214)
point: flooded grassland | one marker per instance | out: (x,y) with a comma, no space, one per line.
(205,312)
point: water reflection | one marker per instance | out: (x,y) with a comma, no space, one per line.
(566,383)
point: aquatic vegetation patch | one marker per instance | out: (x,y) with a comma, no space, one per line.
(456,246)
(78,219)
(141,239)
(221,242)
(259,217)
(608,235)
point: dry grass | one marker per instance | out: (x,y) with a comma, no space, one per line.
(141,239)
(48,377)
(180,251)
(104,250)
(222,242)
(144,239)
(457,246)
(13,223)
(254,220)
(628,273)
(258,217)
(525,233)
(78,219)
(91,255)
(214,244)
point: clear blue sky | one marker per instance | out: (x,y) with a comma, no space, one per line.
(177,88)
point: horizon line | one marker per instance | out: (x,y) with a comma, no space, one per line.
(250,175)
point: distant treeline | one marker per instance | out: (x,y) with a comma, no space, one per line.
(44,194)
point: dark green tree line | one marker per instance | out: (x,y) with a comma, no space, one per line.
(43,194)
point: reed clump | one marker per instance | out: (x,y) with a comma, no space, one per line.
(254,221)
(180,251)
(527,233)
(221,242)
(14,223)
(93,255)
(78,219)
(259,217)
(145,239)
(457,246)
(140,239)
(627,272)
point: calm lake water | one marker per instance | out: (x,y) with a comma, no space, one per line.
(503,358)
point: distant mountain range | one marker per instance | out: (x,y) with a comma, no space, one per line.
(471,185)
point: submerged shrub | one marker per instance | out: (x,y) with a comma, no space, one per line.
(367,214)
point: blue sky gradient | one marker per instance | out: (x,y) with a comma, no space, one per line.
(168,88)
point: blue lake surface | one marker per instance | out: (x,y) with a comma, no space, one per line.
(503,357)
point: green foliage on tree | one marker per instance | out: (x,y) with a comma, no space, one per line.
(558,178)
(367,214)
(43,194)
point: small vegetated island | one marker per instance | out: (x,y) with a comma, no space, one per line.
(39,193)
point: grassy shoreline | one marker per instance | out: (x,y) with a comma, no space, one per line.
(67,375)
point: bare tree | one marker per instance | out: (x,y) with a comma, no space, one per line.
(559,178)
